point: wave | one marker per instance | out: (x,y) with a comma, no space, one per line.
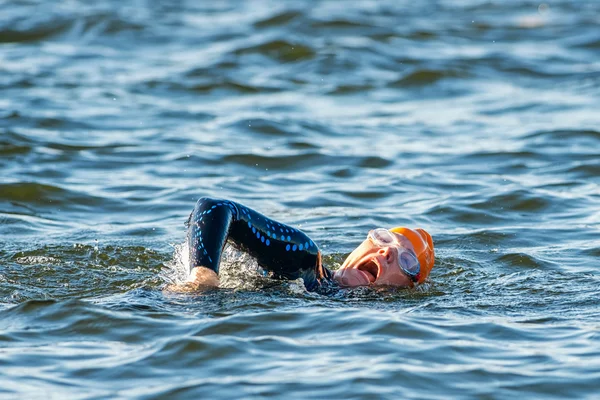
(282,50)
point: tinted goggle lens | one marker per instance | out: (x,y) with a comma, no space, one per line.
(409,263)
(382,237)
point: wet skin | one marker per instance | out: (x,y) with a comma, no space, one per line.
(370,264)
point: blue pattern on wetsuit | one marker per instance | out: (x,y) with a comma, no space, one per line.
(287,252)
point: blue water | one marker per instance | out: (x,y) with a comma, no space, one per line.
(476,120)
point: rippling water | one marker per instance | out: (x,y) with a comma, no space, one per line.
(477,120)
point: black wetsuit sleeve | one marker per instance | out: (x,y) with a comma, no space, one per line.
(281,249)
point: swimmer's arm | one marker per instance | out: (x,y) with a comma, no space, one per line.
(281,249)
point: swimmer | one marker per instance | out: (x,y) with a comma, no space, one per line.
(399,257)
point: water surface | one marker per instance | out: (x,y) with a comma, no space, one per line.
(476,120)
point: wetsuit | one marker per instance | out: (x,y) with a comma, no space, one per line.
(286,252)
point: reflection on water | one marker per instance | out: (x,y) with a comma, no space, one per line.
(476,120)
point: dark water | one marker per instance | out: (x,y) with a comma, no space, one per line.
(477,120)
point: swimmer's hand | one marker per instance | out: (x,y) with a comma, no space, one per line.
(200,279)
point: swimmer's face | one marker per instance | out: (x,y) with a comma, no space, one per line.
(373,264)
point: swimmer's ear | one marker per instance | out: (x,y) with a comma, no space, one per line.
(187,222)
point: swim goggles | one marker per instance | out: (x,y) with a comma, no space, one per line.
(407,260)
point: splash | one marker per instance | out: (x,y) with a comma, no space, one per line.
(176,271)
(237,270)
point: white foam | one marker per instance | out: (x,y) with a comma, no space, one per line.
(238,270)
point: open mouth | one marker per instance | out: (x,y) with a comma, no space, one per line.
(370,269)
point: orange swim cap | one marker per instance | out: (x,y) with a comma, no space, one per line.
(423,244)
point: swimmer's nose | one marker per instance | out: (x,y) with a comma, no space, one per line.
(385,256)
(385,251)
